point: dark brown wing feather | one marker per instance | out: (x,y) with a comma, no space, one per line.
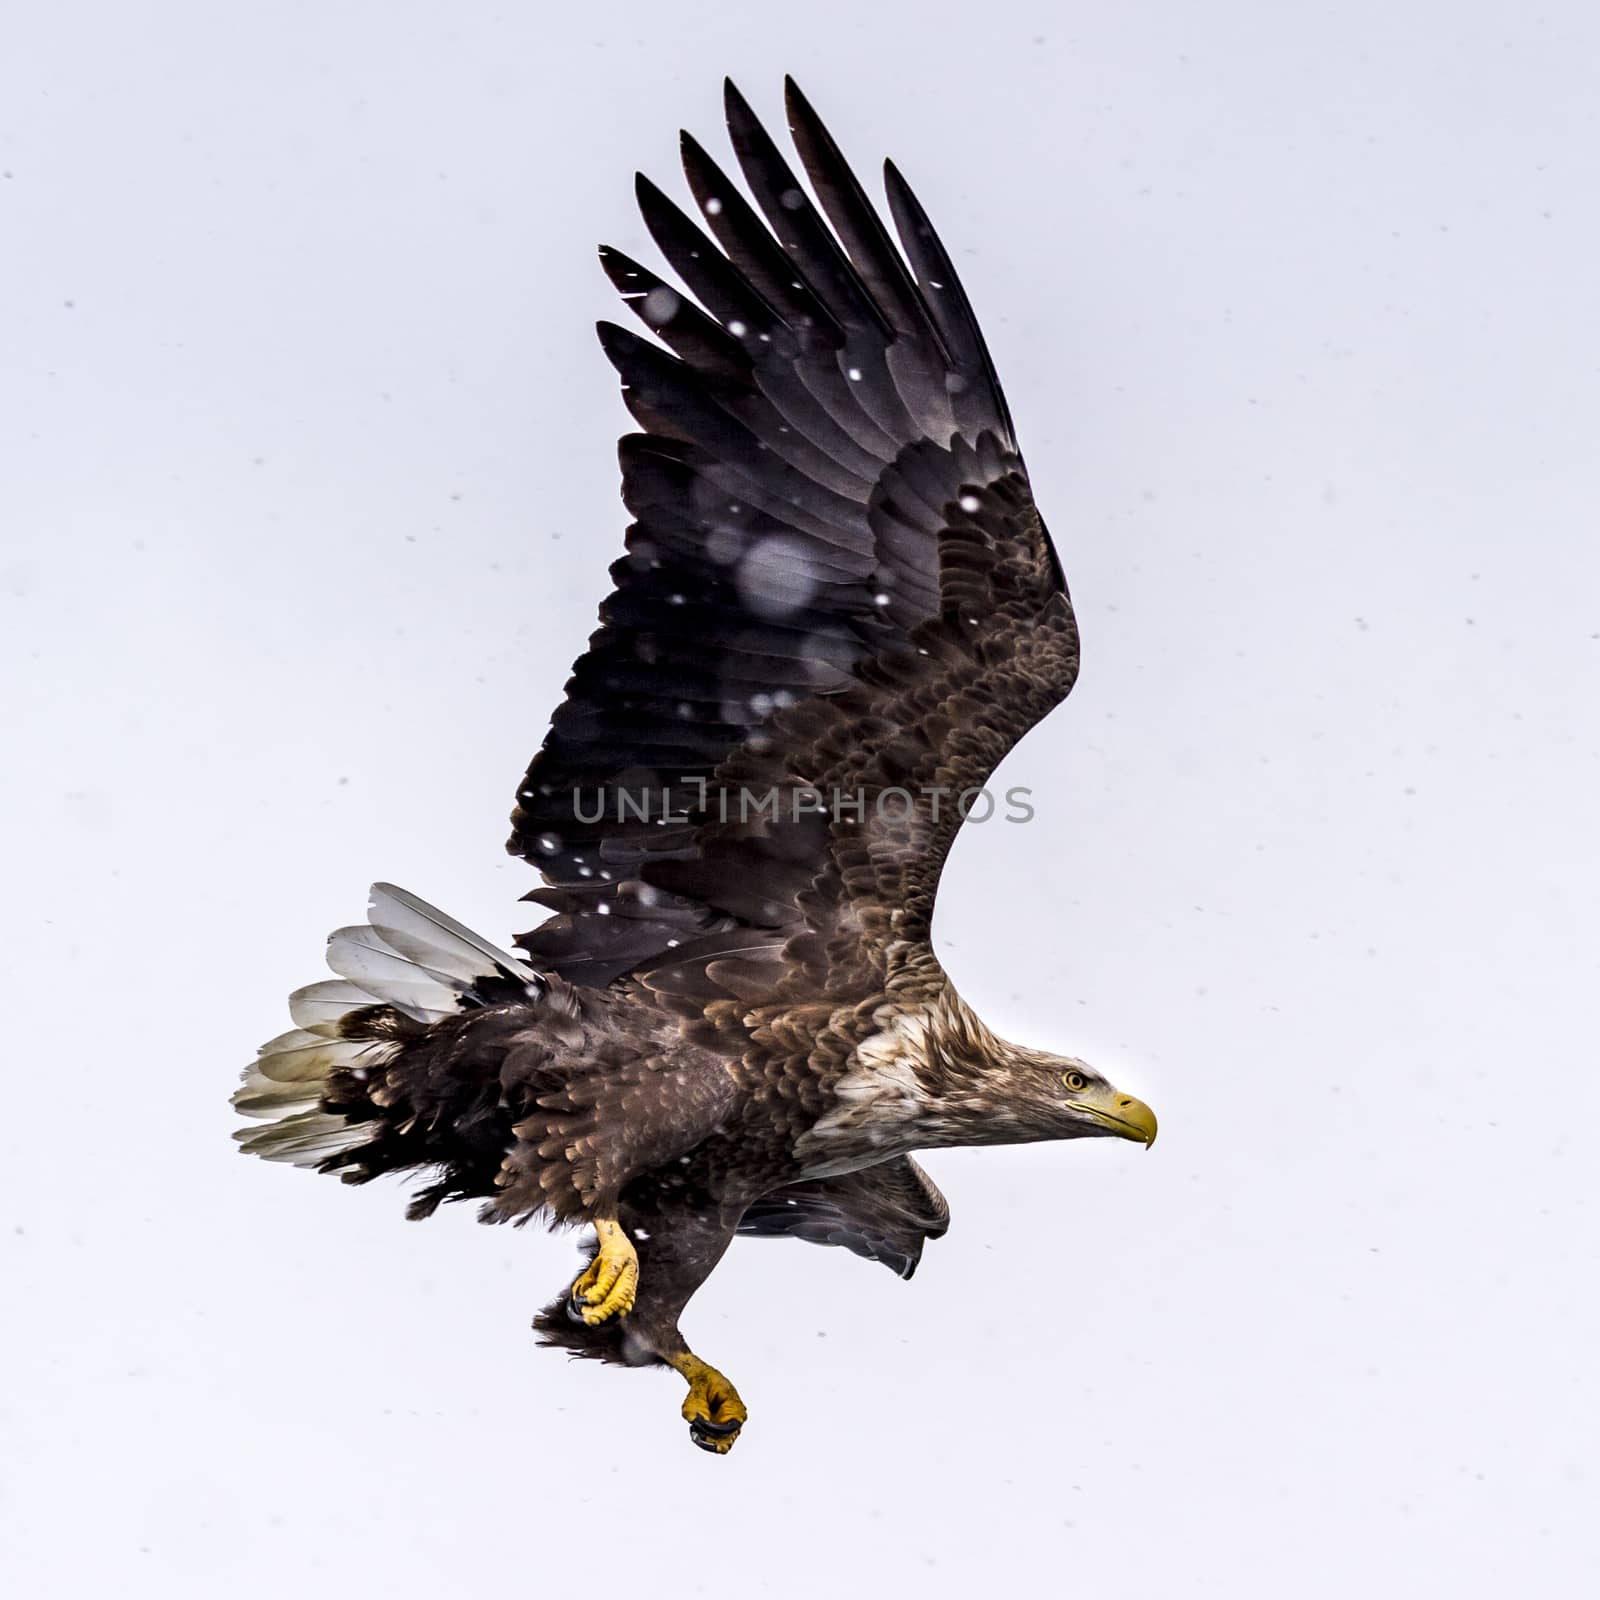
(885,1213)
(836,578)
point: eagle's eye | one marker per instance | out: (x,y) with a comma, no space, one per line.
(1075,1081)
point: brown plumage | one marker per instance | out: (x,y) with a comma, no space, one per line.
(838,610)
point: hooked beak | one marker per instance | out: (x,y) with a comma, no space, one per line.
(1125,1117)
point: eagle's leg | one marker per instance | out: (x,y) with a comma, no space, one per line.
(682,1243)
(712,1408)
(679,1238)
(610,1283)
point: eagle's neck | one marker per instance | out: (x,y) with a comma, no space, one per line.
(977,1081)
(930,1075)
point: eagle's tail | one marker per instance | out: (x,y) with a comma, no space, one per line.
(407,968)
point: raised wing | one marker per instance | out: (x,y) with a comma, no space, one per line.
(884,1213)
(836,579)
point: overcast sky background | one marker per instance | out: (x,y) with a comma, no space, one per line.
(308,490)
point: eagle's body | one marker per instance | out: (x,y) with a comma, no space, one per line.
(838,611)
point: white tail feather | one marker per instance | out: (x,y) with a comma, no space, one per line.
(301,1057)
(427,935)
(408,955)
(321,1007)
(271,1102)
(304,1139)
(362,955)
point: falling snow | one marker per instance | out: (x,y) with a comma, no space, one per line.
(777,577)
(661,305)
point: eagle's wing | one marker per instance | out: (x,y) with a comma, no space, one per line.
(884,1213)
(836,579)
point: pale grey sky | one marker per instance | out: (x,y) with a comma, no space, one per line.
(308,494)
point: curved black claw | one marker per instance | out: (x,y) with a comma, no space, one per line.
(717,1437)
(574,1309)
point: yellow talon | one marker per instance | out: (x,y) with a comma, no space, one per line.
(713,1409)
(611,1283)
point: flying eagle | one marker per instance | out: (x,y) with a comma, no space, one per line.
(837,611)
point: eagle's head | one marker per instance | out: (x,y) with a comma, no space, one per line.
(1082,1104)
(1010,1094)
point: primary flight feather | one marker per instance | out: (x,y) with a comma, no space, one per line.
(837,611)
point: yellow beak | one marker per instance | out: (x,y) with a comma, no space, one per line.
(1126,1117)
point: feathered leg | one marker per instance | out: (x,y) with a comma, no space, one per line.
(684,1244)
(678,1239)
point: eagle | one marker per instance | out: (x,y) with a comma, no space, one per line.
(838,609)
